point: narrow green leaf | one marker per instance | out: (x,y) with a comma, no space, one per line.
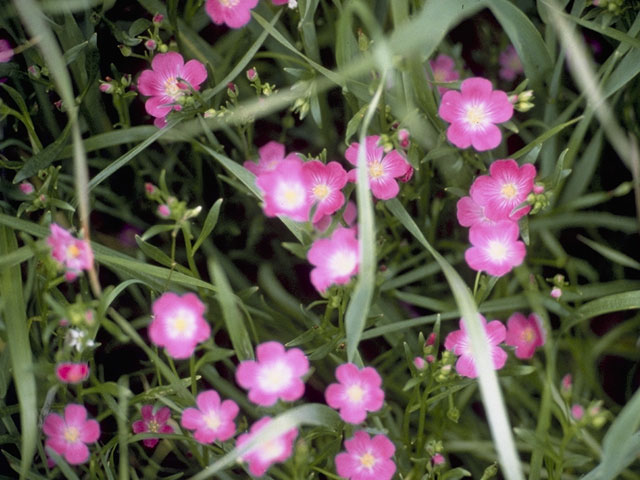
(16,257)
(611,303)
(159,256)
(536,142)
(611,253)
(233,318)
(209,224)
(15,319)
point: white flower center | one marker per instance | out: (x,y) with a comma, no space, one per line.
(182,324)
(321,191)
(290,195)
(376,169)
(212,420)
(355,393)
(229,3)
(71,434)
(476,115)
(274,377)
(173,88)
(497,251)
(367,460)
(271,450)
(509,190)
(343,262)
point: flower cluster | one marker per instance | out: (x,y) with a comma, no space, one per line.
(525,334)
(492,209)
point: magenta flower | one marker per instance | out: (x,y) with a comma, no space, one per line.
(336,259)
(382,169)
(168,81)
(285,191)
(459,343)
(366,458)
(68,372)
(349,217)
(501,192)
(68,436)
(277,374)
(495,248)
(473,113)
(178,324)
(510,64)
(72,253)
(357,392)
(233,13)
(526,334)
(152,423)
(261,457)
(577,411)
(324,184)
(444,70)
(213,419)
(470,213)
(6,52)
(270,155)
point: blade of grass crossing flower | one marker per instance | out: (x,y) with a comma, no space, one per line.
(122,419)
(231,314)
(311,414)
(15,319)
(358,308)
(489,387)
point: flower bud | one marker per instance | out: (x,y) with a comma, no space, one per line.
(150,45)
(26,188)
(157,19)
(34,71)
(163,211)
(124,50)
(252,74)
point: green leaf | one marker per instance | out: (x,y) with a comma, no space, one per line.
(159,256)
(611,303)
(139,26)
(543,138)
(16,257)
(15,318)
(233,318)
(310,414)
(44,157)
(611,253)
(456,474)
(209,224)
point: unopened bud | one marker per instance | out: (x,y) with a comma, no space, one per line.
(437,459)
(252,74)
(124,50)
(419,363)
(164,211)
(150,45)
(26,188)
(34,71)
(577,411)
(556,292)
(158,18)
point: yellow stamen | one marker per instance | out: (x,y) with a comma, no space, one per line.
(528,335)
(73,251)
(212,420)
(355,393)
(476,115)
(71,434)
(367,460)
(376,170)
(509,190)
(321,191)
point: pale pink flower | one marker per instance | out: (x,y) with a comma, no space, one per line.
(357,392)
(470,213)
(277,374)
(566,383)
(556,292)
(366,458)
(437,459)
(6,52)
(336,259)
(26,187)
(349,217)
(69,372)
(324,184)
(577,411)
(495,248)
(233,13)
(510,64)
(178,324)
(213,419)
(68,436)
(285,191)
(419,363)
(501,192)
(269,156)
(403,138)
(459,343)
(168,81)
(444,70)
(526,334)
(262,456)
(163,211)
(473,113)
(152,423)
(72,253)
(382,169)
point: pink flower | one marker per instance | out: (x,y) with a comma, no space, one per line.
(437,459)
(69,372)
(152,423)
(495,248)
(459,343)
(26,187)
(444,70)
(6,52)
(336,259)
(357,392)
(526,334)
(510,64)
(324,184)
(366,458)
(577,411)
(469,213)
(285,190)
(291,3)
(567,383)
(72,253)
(277,374)
(68,436)
(504,189)
(419,363)
(178,324)
(233,13)
(168,81)
(473,113)
(213,419)
(382,169)
(261,457)
(349,217)
(157,18)
(163,211)
(270,155)
(403,138)
(556,292)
